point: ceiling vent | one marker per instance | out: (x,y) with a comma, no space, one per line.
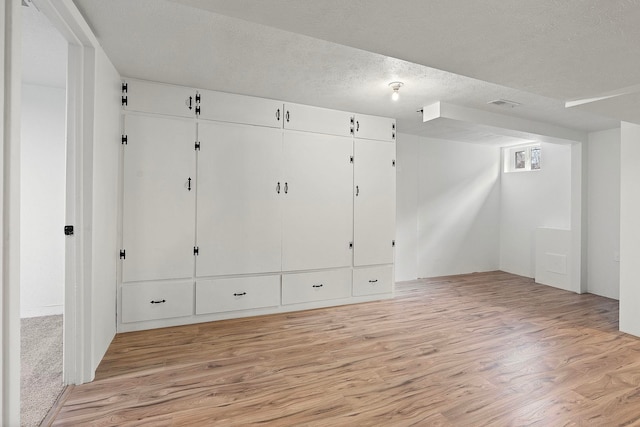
(505,103)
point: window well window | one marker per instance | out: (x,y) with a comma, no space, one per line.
(522,158)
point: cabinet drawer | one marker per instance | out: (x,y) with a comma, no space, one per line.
(242,293)
(372,280)
(318,286)
(154,300)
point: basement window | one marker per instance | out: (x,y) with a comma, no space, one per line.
(522,158)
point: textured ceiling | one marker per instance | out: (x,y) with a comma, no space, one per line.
(343,54)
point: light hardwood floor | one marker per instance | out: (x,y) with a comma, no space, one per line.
(488,349)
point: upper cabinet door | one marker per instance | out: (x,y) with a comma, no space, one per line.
(159,198)
(239,197)
(249,110)
(317,207)
(317,120)
(375,202)
(374,127)
(158,98)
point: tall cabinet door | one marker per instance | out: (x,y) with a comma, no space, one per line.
(159,198)
(375,202)
(317,210)
(239,192)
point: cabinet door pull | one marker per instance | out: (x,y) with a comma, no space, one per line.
(286,187)
(318,286)
(278,114)
(287,116)
(241,294)
(357,191)
(357,126)
(189,184)
(278,188)
(158,301)
(373,281)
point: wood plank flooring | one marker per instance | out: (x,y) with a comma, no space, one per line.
(487,349)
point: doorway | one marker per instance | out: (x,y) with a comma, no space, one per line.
(42,207)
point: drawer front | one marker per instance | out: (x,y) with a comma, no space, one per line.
(152,301)
(241,293)
(318,286)
(372,280)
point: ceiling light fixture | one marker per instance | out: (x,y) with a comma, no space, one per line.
(396,89)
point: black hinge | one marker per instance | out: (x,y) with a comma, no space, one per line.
(196,251)
(68,230)
(125,89)
(350,245)
(393,243)
(393,163)
(350,159)
(393,135)
(197,98)
(124,139)
(197,110)
(197,146)
(123,254)
(351,125)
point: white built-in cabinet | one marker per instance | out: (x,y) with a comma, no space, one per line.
(235,206)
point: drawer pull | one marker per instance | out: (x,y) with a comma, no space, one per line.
(159,301)
(241,294)
(318,286)
(373,281)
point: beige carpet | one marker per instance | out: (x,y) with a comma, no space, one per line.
(41,367)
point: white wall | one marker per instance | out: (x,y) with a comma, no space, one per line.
(42,205)
(530,200)
(458,207)
(629,228)
(106,152)
(407,152)
(604,213)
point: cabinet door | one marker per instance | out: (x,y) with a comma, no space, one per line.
(318,206)
(229,107)
(374,127)
(159,98)
(317,120)
(239,192)
(375,202)
(159,198)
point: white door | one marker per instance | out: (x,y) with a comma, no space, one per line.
(229,107)
(318,120)
(375,202)
(158,98)
(318,207)
(239,192)
(375,127)
(159,198)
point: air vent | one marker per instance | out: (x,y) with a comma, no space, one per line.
(505,103)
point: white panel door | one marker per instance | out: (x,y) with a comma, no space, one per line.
(375,202)
(239,197)
(159,198)
(229,107)
(317,120)
(158,98)
(318,206)
(374,127)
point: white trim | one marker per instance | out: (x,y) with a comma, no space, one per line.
(66,18)
(11,46)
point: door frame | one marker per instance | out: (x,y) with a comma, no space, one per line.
(66,18)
